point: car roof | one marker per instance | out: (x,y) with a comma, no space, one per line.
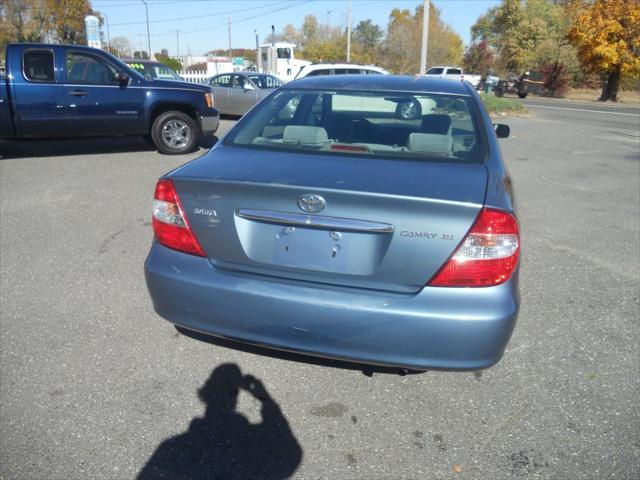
(401,83)
(342,65)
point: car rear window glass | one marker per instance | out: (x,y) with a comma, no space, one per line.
(38,66)
(454,71)
(378,124)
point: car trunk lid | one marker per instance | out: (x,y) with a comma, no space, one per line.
(385,224)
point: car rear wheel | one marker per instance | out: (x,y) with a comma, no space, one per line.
(174,133)
(522,94)
(498,92)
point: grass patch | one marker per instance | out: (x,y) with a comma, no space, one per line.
(631,97)
(499,105)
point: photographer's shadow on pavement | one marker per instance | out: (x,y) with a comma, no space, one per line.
(223,444)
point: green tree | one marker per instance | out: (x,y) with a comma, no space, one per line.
(367,34)
(526,34)
(173,63)
(401,47)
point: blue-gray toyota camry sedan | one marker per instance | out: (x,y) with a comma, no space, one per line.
(364,218)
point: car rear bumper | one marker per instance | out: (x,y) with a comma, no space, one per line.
(450,328)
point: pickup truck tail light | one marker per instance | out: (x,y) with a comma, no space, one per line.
(488,255)
(170,224)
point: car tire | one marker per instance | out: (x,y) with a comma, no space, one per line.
(409,110)
(523,94)
(498,92)
(174,133)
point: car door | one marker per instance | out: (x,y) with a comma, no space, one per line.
(38,95)
(220,85)
(98,103)
(242,95)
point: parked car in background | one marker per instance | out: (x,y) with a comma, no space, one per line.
(453,73)
(328,224)
(152,70)
(316,69)
(235,93)
(74,91)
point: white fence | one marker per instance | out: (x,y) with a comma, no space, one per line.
(194,77)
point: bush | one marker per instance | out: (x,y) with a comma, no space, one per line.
(556,80)
(496,105)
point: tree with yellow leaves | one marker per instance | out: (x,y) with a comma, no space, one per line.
(606,34)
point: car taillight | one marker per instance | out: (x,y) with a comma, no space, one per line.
(487,256)
(170,225)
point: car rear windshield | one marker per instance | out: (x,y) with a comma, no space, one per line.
(428,126)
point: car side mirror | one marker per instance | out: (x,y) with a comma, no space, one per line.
(502,130)
(122,78)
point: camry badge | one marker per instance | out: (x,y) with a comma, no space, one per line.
(311,203)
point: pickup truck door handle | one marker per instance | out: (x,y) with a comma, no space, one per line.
(78,93)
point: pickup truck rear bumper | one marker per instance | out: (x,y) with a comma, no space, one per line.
(209,121)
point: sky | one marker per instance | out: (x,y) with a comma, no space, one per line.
(202,24)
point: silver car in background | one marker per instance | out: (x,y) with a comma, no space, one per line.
(236,93)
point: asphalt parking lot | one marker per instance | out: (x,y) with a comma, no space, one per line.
(93,381)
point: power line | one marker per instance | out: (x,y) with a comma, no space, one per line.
(233,22)
(164,20)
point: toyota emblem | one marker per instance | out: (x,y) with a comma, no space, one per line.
(311,203)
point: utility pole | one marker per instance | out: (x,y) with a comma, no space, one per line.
(258,56)
(146,9)
(178,43)
(425,37)
(106,19)
(349,32)
(229,28)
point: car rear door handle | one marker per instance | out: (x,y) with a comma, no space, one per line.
(78,93)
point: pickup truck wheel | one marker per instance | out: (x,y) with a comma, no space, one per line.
(174,133)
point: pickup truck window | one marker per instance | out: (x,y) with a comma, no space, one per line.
(454,71)
(84,68)
(38,66)
(435,71)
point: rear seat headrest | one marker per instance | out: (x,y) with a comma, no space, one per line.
(436,123)
(304,134)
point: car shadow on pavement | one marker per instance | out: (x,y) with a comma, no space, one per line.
(366,369)
(83,146)
(223,444)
